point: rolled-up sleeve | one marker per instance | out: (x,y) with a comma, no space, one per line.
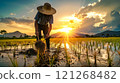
(37,16)
(51,20)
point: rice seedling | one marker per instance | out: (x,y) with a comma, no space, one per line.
(42,59)
(13,61)
(54,58)
(77,46)
(14,54)
(37,59)
(2,56)
(24,60)
(88,60)
(95,58)
(2,47)
(109,58)
(111,47)
(79,54)
(66,55)
(119,47)
(99,50)
(51,61)
(115,47)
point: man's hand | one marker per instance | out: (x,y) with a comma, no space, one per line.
(47,35)
(49,30)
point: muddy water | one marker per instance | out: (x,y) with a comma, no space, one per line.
(5,61)
(74,61)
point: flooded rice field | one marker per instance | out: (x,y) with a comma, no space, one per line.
(64,52)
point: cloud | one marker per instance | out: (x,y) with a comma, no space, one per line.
(100,16)
(31,11)
(17,24)
(9,20)
(12,14)
(115,23)
(101,6)
(87,25)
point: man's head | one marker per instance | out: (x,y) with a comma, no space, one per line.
(46,9)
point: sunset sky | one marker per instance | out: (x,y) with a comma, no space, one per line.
(82,16)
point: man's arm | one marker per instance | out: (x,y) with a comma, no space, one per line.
(36,24)
(50,28)
(36,28)
(50,22)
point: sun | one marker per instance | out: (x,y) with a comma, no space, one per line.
(66,30)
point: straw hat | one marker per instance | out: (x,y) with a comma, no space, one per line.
(46,9)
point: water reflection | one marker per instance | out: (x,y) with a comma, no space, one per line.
(67,45)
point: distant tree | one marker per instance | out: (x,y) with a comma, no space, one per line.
(103,35)
(20,36)
(3,32)
(92,36)
(107,35)
(26,36)
(33,36)
(87,35)
(14,37)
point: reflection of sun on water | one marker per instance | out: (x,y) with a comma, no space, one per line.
(63,46)
(67,45)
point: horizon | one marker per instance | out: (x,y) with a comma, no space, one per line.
(67,33)
(81,16)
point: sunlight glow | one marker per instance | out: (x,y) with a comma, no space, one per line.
(22,26)
(66,30)
(71,19)
(68,23)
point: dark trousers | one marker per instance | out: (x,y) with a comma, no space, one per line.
(44,28)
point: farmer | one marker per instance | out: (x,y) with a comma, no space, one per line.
(43,22)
